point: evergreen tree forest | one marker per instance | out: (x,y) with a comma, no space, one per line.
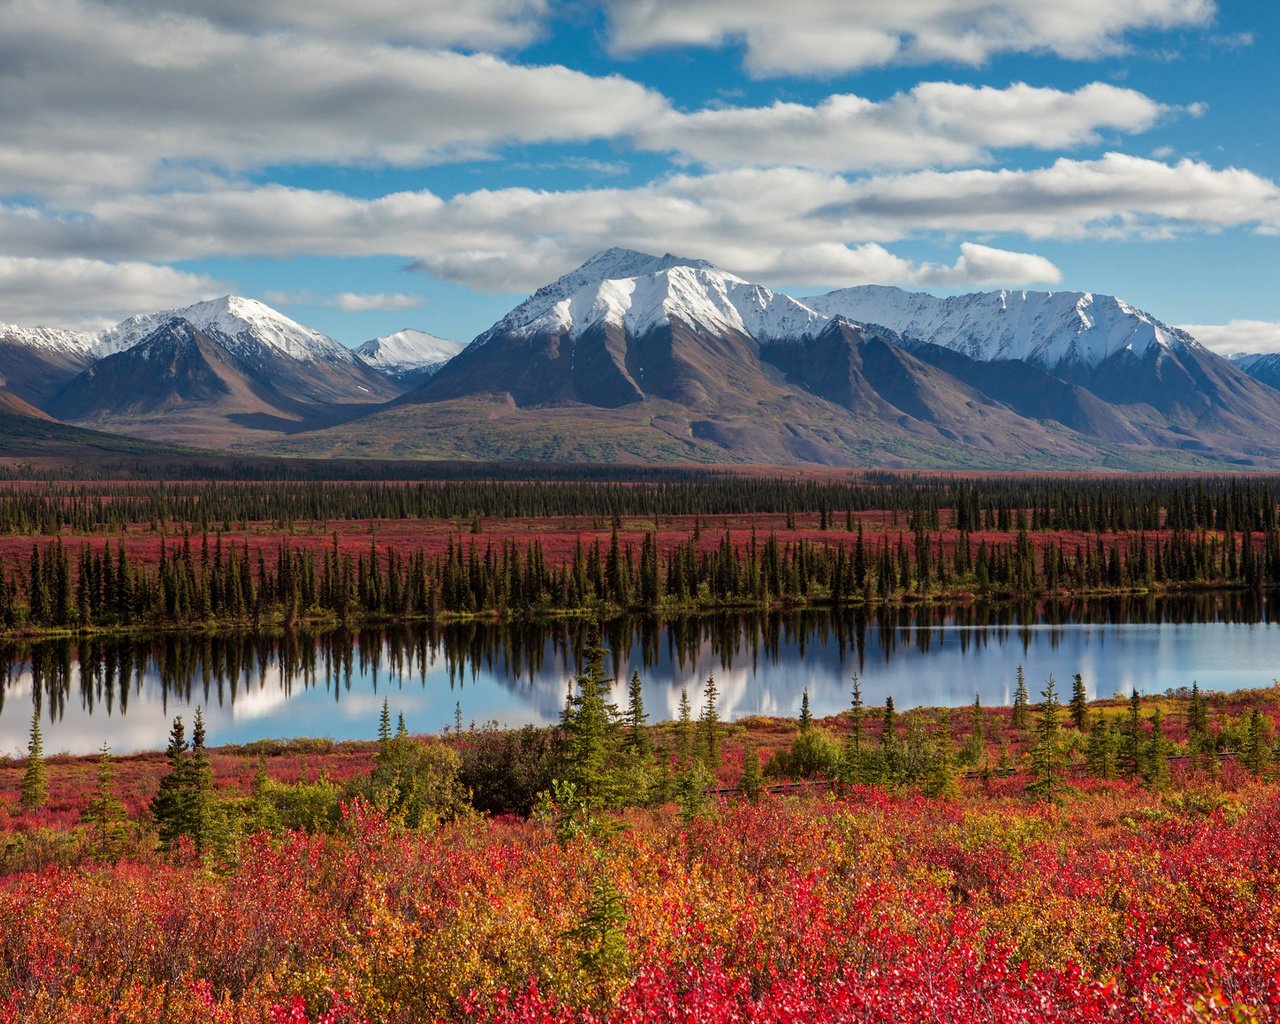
(170,575)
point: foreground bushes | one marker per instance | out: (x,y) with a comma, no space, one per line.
(1120,906)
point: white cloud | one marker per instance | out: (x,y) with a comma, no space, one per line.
(99,99)
(508,239)
(1237,336)
(1116,196)
(823,37)
(89,294)
(983,265)
(360,302)
(936,123)
(478,23)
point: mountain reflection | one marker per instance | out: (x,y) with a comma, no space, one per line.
(254,685)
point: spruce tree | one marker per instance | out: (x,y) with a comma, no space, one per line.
(637,739)
(205,820)
(384,724)
(1020,717)
(975,744)
(105,812)
(35,785)
(1102,748)
(1197,722)
(853,759)
(806,716)
(684,728)
(591,724)
(940,776)
(890,747)
(1046,755)
(1079,702)
(171,805)
(1254,754)
(709,724)
(1131,738)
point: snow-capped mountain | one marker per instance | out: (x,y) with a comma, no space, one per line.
(1262,366)
(408,355)
(50,339)
(1047,329)
(633,353)
(216,373)
(242,325)
(641,357)
(639,292)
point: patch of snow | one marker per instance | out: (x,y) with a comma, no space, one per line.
(1044,328)
(408,351)
(242,325)
(51,339)
(640,292)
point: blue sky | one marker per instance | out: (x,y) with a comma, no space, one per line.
(426,163)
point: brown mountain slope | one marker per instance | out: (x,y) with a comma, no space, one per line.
(179,384)
(35,374)
(12,405)
(677,394)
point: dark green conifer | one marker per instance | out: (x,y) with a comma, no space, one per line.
(684,727)
(1079,702)
(1020,718)
(35,785)
(1046,755)
(709,723)
(1131,742)
(637,739)
(105,812)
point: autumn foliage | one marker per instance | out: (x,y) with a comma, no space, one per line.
(1118,905)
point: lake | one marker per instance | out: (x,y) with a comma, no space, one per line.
(126,691)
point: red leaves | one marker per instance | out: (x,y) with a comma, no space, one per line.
(1120,908)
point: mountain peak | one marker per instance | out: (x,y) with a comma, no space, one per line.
(408,353)
(237,322)
(639,291)
(619,264)
(1047,329)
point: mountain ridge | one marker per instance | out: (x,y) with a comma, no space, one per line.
(636,356)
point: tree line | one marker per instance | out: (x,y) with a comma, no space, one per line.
(208,579)
(926,501)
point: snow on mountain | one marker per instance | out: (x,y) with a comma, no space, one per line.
(640,292)
(1044,328)
(1261,366)
(1251,360)
(238,323)
(50,338)
(408,351)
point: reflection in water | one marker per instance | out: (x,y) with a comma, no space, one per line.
(125,691)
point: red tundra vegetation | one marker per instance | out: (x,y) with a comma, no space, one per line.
(1152,897)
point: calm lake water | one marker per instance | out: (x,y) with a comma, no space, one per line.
(125,692)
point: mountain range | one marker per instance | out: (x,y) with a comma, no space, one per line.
(633,357)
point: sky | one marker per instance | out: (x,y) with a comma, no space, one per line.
(374,165)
